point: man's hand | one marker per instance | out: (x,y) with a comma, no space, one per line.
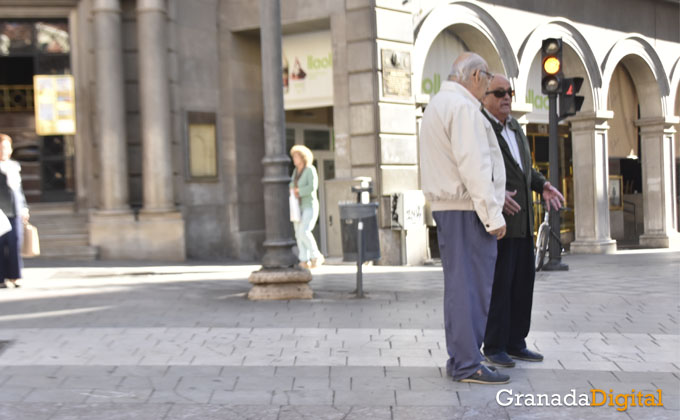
(511,206)
(498,233)
(552,197)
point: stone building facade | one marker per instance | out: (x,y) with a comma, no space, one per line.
(166,161)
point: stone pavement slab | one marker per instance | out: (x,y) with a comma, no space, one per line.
(180,341)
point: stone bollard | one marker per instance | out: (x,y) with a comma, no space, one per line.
(280,284)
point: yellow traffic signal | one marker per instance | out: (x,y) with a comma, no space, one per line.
(551,57)
(552,65)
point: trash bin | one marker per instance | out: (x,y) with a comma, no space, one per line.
(350,215)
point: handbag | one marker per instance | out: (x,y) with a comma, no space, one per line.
(294,205)
(31,245)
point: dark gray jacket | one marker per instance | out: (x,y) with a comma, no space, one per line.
(521,224)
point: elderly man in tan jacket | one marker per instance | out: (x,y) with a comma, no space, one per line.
(463,177)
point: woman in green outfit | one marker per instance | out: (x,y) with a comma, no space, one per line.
(304,184)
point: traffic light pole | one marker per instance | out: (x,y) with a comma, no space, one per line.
(555,249)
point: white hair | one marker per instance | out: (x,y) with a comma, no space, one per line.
(465,66)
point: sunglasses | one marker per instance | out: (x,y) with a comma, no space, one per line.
(500,93)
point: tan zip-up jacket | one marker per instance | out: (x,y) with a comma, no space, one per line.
(461,164)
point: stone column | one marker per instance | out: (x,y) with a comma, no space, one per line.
(591,177)
(158,232)
(658,180)
(110,106)
(278,278)
(394,142)
(154,96)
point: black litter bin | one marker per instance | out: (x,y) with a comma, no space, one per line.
(350,215)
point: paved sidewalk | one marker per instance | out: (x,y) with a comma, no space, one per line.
(146,342)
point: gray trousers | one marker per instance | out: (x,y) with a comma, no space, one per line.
(468,256)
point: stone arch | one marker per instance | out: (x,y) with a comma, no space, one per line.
(561,28)
(646,69)
(675,87)
(493,46)
(674,103)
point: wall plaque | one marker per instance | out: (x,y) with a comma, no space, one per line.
(396,72)
(202,146)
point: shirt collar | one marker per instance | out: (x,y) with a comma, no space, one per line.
(507,120)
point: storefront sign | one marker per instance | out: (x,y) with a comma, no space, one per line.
(307,70)
(55,104)
(396,72)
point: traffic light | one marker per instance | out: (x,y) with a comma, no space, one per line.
(570,104)
(551,66)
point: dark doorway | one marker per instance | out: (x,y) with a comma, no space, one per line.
(28,48)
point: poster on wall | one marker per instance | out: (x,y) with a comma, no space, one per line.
(307,70)
(55,104)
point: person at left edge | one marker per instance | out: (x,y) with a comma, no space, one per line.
(13,204)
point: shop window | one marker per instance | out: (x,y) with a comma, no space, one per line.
(31,37)
(53,64)
(541,151)
(16,37)
(317,139)
(52,37)
(329,168)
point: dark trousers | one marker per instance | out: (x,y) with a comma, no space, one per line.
(468,256)
(513,290)
(10,251)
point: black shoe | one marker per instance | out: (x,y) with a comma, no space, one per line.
(500,359)
(486,377)
(526,354)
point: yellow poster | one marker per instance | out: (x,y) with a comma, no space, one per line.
(55,104)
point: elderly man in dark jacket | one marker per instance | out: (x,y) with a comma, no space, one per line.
(511,297)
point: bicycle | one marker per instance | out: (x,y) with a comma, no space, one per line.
(543,240)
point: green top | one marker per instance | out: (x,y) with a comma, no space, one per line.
(307,185)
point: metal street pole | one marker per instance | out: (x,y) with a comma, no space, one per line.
(279,277)
(555,249)
(279,242)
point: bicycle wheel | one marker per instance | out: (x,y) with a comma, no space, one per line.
(542,245)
